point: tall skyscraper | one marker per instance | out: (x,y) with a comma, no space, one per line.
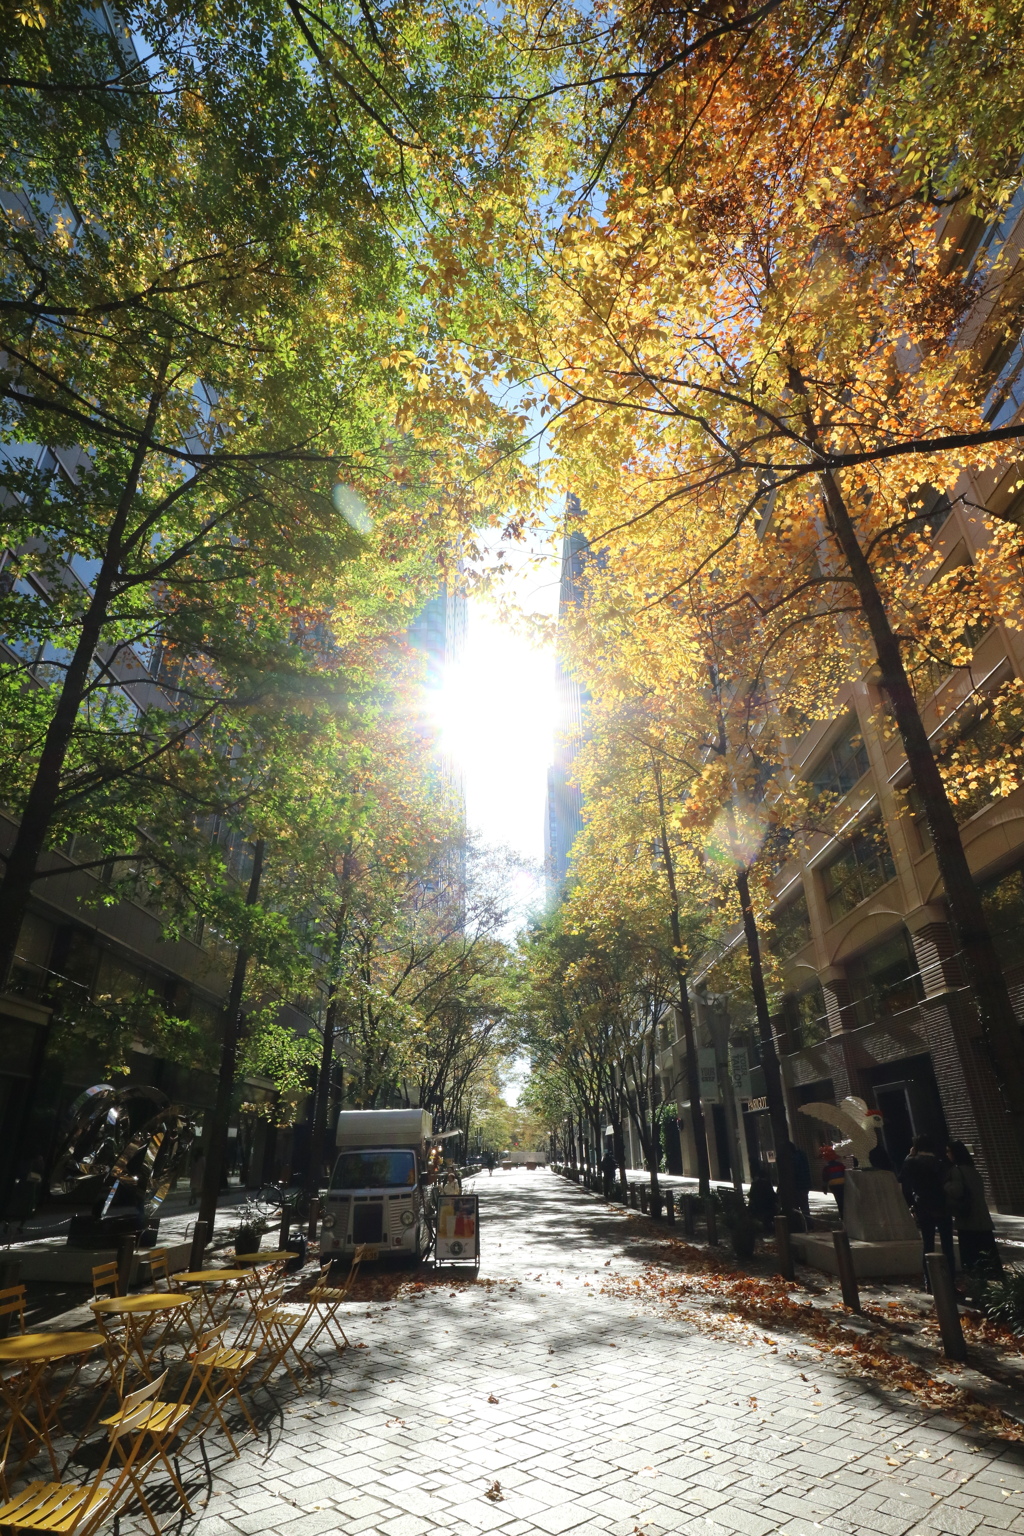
(564,817)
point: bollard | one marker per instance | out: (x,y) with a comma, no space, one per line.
(314,1217)
(286,1221)
(686,1207)
(644,1193)
(670,1208)
(784,1248)
(195,1253)
(847,1273)
(634,1198)
(711,1218)
(125,1254)
(946,1310)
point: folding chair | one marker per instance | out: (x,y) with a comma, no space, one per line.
(159,1269)
(327,1299)
(78,1509)
(231,1362)
(159,1422)
(12,1304)
(105,1277)
(280,1327)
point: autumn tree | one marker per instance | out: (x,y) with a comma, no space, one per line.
(216,361)
(765,335)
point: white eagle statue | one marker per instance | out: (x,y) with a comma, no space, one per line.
(858,1124)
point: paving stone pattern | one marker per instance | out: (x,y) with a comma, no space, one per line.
(605,1421)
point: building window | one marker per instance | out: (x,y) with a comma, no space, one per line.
(885,980)
(792,928)
(1003,901)
(807,1016)
(859,868)
(844,762)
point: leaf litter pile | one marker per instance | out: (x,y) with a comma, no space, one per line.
(714,1297)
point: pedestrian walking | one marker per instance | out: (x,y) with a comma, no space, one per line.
(966,1203)
(489,1160)
(833,1175)
(609,1169)
(923,1181)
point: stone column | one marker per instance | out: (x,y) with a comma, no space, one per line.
(841,1019)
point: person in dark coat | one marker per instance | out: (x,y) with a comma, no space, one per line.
(762,1201)
(609,1169)
(966,1203)
(923,1181)
(800,1172)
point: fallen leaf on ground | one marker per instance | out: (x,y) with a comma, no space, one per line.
(492,1398)
(494,1493)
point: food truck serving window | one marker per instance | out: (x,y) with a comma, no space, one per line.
(374,1170)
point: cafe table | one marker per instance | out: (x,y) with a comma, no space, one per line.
(138,1314)
(28,1393)
(213,1286)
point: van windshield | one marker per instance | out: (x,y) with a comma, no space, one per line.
(374,1170)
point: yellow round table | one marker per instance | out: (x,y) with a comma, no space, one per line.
(47,1346)
(221,1281)
(210,1276)
(140,1313)
(271,1256)
(37,1352)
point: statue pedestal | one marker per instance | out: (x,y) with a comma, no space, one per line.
(874,1210)
(884,1239)
(889,1261)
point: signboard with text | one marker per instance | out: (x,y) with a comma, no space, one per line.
(458,1229)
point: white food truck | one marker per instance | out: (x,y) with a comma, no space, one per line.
(376,1196)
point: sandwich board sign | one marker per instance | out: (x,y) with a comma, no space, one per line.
(458,1229)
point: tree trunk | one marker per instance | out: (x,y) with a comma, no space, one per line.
(37,817)
(700,1139)
(769,1055)
(318,1130)
(982,968)
(655,1155)
(216,1140)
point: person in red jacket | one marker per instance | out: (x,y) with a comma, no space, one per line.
(833,1175)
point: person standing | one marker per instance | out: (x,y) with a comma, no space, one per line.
(923,1181)
(965,1200)
(762,1201)
(833,1176)
(608,1172)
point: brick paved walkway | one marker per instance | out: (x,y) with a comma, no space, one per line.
(604,1420)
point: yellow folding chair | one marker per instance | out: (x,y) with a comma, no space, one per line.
(159,1269)
(78,1509)
(230,1362)
(280,1328)
(12,1304)
(160,1422)
(105,1277)
(327,1299)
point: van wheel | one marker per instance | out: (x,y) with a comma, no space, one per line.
(414,1260)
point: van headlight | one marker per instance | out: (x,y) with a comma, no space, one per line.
(407,1218)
